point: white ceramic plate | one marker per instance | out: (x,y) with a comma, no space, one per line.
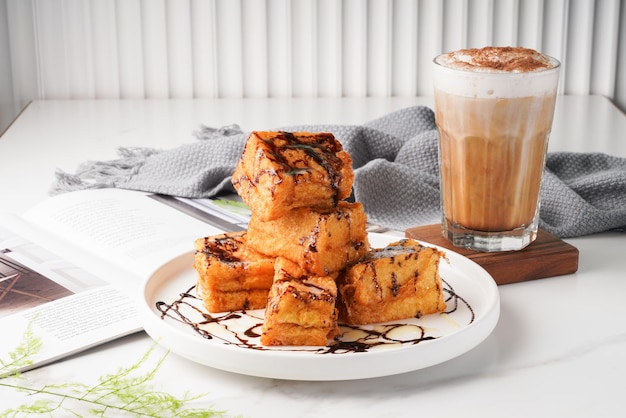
(231,343)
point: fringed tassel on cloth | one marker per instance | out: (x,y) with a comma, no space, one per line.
(208,132)
(103,174)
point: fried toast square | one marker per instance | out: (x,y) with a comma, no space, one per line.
(301,309)
(396,282)
(231,275)
(321,242)
(279,171)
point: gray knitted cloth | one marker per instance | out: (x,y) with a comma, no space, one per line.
(395,159)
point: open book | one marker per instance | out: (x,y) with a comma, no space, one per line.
(72,266)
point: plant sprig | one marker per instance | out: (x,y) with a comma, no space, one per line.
(22,355)
(127,392)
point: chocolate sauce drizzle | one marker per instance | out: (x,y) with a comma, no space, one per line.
(243,328)
(323,151)
(223,247)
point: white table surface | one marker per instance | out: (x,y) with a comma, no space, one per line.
(559,348)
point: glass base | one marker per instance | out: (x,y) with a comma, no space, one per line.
(514,240)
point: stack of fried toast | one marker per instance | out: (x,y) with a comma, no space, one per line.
(305,257)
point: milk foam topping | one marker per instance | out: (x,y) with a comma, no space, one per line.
(497,60)
(496,72)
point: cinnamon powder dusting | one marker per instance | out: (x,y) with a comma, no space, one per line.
(499,59)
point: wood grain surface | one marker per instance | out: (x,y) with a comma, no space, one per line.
(547,256)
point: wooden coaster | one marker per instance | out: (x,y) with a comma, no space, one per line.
(547,256)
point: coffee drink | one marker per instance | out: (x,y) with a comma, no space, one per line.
(494,108)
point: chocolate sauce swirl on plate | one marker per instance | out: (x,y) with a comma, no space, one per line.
(243,328)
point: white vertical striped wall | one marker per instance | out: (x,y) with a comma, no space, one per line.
(66,49)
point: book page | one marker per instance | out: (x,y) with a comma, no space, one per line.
(67,308)
(73,324)
(125,228)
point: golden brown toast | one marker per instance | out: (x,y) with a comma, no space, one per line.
(280,171)
(231,275)
(321,242)
(300,309)
(396,282)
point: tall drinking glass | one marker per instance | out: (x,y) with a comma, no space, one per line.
(494,108)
